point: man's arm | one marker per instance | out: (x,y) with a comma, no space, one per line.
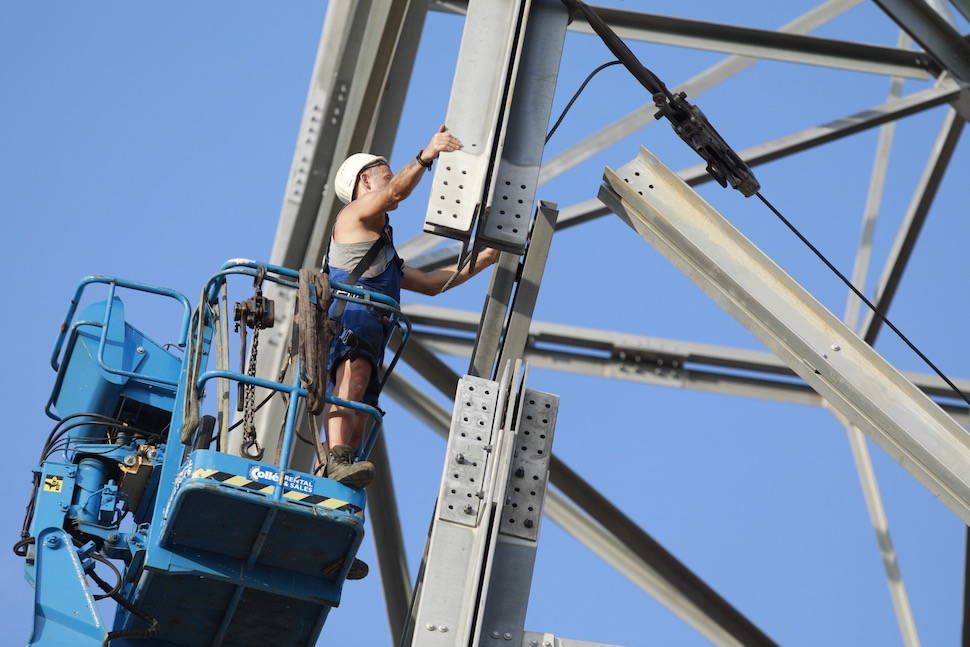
(375,203)
(430,283)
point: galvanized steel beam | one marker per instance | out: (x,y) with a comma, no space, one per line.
(749,42)
(651,360)
(932,32)
(912,223)
(501,98)
(692,602)
(843,369)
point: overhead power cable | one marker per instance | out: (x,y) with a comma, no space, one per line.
(723,163)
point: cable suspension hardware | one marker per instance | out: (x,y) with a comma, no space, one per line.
(723,163)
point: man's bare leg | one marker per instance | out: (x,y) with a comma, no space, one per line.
(344,426)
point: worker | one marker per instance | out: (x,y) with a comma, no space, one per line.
(365,184)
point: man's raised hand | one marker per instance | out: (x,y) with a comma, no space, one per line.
(442,142)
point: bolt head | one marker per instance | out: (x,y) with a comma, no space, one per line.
(836,347)
(140,349)
(527,523)
(430,627)
(53,541)
(469,509)
(495,634)
(130,460)
(507,636)
(443,629)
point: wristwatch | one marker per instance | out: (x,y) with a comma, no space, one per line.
(426,165)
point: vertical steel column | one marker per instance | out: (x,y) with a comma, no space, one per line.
(527,291)
(477,112)
(494,313)
(458,546)
(500,103)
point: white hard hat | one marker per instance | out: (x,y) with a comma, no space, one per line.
(346,179)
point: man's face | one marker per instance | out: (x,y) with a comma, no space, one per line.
(374,179)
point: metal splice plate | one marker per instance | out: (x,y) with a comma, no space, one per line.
(469,448)
(530,466)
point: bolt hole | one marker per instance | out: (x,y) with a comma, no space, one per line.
(507,183)
(532,401)
(500,226)
(447,168)
(637,173)
(526,432)
(451,507)
(515,231)
(502,212)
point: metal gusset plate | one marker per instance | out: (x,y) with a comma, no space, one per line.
(469,447)
(530,466)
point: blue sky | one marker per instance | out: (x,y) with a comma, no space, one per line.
(153,142)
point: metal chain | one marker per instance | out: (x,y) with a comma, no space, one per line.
(249,402)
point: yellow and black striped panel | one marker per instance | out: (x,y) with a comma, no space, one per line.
(267,488)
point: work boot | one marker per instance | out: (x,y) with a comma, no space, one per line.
(342,468)
(358,569)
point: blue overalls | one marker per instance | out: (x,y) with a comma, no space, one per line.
(365,333)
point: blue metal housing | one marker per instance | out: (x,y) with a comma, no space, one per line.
(222,550)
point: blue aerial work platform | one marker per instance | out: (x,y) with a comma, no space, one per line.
(216,549)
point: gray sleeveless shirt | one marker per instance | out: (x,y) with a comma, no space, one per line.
(346,256)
